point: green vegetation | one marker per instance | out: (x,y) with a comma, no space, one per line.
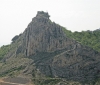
(97,82)
(88,38)
(11,71)
(4,50)
(46,81)
(59,81)
(54,81)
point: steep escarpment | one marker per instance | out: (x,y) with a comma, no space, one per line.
(42,35)
(43,51)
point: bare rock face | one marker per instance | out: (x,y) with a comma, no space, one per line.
(42,35)
(44,50)
(59,55)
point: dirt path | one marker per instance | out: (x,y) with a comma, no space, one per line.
(2,82)
(8,83)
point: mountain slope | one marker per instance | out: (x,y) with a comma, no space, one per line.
(88,38)
(43,51)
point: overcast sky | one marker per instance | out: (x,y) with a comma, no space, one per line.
(75,15)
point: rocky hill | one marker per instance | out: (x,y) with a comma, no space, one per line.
(44,54)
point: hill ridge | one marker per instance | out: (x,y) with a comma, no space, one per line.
(43,50)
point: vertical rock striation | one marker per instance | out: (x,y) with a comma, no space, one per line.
(42,35)
(43,49)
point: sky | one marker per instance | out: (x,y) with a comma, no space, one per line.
(75,15)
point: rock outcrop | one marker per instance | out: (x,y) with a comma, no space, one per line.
(45,51)
(42,35)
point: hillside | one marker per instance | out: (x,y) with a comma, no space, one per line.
(46,55)
(88,38)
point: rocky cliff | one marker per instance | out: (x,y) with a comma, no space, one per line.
(42,35)
(43,50)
